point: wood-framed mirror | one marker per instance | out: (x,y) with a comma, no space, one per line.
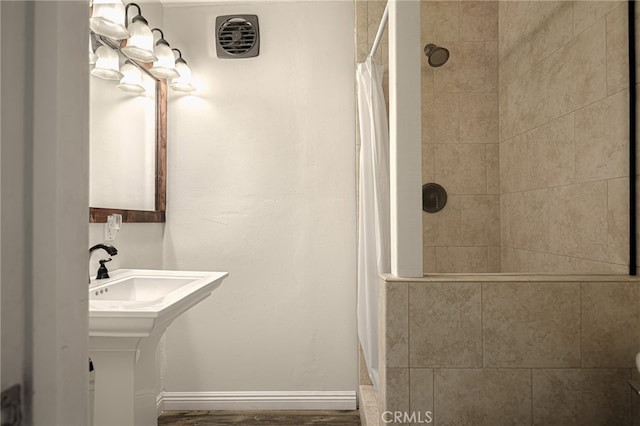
(128,162)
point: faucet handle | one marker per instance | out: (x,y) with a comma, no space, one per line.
(102,270)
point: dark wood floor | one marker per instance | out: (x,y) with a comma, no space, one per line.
(262,418)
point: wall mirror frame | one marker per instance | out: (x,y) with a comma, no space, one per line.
(99,214)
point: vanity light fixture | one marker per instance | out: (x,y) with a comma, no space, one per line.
(92,54)
(131,78)
(107,65)
(140,44)
(108,19)
(183,81)
(165,65)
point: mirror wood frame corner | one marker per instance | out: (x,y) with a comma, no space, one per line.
(99,214)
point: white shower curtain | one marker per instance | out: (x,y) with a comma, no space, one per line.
(373,212)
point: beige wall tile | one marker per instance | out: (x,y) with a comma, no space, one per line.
(441,118)
(369,415)
(421,392)
(493,168)
(577,72)
(550,154)
(601,139)
(397,396)
(587,13)
(584,266)
(479,117)
(362,22)
(531,324)
(618,220)
(580,397)
(511,260)
(362,52)
(375,9)
(478,20)
(524,220)
(491,66)
(397,325)
(480,220)
(493,255)
(428,165)
(445,325)
(461,259)
(428,259)
(513,161)
(460,168)
(427,79)
(482,397)
(610,318)
(578,220)
(505,124)
(540,28)
(617,50)
(548,26)
(464,71)
(439,21)
(526,105)
(443,227)
(363,373)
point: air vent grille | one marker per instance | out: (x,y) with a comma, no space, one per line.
(237,36)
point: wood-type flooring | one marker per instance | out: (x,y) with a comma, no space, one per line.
(262,418)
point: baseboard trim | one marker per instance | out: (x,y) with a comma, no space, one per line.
(265,400)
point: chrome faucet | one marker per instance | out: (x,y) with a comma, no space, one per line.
(102,271)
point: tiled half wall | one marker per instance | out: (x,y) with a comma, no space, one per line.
(510,350)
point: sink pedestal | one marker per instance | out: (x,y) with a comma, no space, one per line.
(128,314)
(125,392)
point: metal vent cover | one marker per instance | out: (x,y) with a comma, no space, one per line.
(237,36)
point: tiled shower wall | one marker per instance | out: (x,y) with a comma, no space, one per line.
(459,129)
(564,136)
(551,196)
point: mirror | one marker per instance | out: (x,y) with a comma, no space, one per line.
(128,148)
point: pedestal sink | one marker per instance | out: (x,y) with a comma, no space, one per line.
(128,313)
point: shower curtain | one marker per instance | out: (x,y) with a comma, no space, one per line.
(373,211)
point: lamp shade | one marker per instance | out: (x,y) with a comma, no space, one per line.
(107,65)
(140,44)
(165,66)
(183,82)
(131,78)
(107,19)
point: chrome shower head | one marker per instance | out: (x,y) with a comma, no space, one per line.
(437,56)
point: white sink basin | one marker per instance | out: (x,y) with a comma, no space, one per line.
(133,302)
(128,314)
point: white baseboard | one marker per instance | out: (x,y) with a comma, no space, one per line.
(265,400)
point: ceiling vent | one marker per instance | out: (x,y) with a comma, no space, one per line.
(237,36)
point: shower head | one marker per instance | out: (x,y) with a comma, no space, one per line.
(437,56)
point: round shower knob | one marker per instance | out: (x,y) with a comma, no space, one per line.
(434,197)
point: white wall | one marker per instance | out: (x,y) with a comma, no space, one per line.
(139,246)
(261,183)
